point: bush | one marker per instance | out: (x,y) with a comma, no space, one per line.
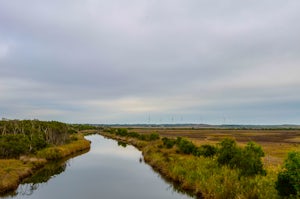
(154,136)
(227,152)
(12,146)
(250,161)
(133,134)
(122,132)
(186,147)
(288,180)
(207,150)
(168,143)
(247,160)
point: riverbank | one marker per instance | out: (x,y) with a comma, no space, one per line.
(13,171)
(201,176)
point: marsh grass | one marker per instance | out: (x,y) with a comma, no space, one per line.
(203,176)
(57,152)
(13,171)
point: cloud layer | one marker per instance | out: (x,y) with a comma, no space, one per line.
(151,61)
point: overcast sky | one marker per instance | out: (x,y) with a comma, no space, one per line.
(151,61)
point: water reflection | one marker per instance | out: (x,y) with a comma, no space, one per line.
(123,144)
(43,175)
(108,170)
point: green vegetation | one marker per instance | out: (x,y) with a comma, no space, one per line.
(288,181)
(124,133)
(247,160)
(28,136)
(31,143)
(222,170)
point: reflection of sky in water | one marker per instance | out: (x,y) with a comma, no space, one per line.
(108,171)
(108,147)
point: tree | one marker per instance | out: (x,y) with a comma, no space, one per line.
(247,160)
(288,180)
(227,151)
(250,161)
(207,150)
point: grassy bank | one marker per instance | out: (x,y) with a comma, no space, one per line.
(12,171)
(203,176)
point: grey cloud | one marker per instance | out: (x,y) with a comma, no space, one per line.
(172,56)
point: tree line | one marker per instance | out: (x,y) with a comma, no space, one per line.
(19,137)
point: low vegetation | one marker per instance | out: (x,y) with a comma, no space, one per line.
(221,170)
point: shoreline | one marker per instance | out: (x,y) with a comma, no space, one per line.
(156,166)
(13,171)
(201,177)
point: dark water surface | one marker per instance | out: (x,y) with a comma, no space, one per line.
(107,171)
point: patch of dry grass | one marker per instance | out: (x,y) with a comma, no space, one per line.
(276,143)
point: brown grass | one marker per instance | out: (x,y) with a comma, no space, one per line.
(276,143)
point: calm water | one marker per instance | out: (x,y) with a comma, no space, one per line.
(107,171)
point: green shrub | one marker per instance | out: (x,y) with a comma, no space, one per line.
(247,160)
(12,146)
(122,132)
(186,147)
(143,137)
(133,134)
(207,150)
(288,180)
(227,152)
(168,143)
(154,136)
(250,160)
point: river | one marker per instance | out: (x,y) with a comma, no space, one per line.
(110,170)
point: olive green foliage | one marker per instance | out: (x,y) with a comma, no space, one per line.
(250,161)
(82,127)
(207,150)
(13,145)
(124,133)
(19,137)
(247,159)
(168,143)
(187,147)
(288,181)
(228,152)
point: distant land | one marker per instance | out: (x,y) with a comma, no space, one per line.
(198,126)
